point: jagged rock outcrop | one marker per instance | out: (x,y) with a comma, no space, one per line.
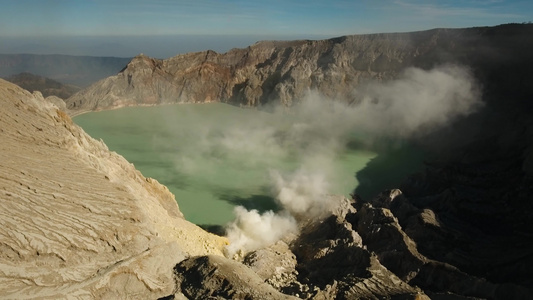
(378,222)
(285,71)
(78,220)
(357,252)
(275,264)
(328,260)
(333,263)
(215,277)
(52,99)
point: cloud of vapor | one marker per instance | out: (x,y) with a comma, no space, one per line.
(302,196)
(317,130)
(417,102)
(252,230)
(302,193)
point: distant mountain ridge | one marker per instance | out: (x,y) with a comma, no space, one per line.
(285,71)
(47,86)
(76,70)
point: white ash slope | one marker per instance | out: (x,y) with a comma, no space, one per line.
(77,220)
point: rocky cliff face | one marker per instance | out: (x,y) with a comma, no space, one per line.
(77,219)
(285,71)
(359,251)
(462,227)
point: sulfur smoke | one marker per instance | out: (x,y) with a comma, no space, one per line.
(317,129)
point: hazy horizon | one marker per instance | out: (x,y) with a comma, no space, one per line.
(159,46)
(164,28)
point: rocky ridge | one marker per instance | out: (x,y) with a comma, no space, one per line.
(360,251)
(285,71)
(78,220)
(48,87)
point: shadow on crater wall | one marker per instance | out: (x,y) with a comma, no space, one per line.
(388,170)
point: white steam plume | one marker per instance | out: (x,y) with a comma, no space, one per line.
(418,101)
(317,129)
(302,193)
(302,196)
(251,230)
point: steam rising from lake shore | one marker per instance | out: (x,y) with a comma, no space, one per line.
(417,102)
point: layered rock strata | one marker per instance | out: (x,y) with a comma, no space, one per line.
(285,71)
(78,220)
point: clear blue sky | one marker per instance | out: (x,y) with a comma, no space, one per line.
(253,19)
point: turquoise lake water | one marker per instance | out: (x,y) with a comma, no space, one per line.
(213,157)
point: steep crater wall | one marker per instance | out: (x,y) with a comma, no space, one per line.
(278,71)
(77,219)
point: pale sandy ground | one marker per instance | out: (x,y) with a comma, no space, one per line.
(78,221)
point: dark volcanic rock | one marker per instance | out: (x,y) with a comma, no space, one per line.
(480,195)
(383,235)
(215,277)
(327,261)
(275,264)
(333,264)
